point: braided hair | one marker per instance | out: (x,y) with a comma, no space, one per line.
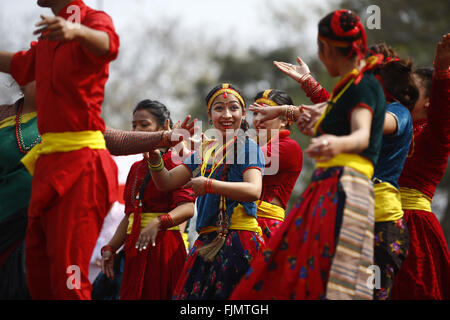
(344,30)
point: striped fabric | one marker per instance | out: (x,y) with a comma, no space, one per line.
(349,271)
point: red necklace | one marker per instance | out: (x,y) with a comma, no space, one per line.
(19,137)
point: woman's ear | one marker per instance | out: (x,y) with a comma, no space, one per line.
(426,105)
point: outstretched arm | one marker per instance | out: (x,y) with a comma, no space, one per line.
(5,61)
(59,29)
(303,76)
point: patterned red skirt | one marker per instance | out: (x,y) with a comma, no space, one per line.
(425,273)
(203,280)
(299,261)
(269,227)
(153,273)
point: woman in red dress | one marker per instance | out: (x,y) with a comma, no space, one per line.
(284,160)
(154,248)
(425,274)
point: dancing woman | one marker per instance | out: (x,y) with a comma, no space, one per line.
(154,248)
(283,155)
(331,227)
(226,176)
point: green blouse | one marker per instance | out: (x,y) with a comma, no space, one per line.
(15,180)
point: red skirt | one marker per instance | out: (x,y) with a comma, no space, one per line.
(296,261)
(153,273)
(425,274)
(269,227)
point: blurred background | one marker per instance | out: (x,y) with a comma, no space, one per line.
(175,51)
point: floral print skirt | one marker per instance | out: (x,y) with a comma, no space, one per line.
(216,280)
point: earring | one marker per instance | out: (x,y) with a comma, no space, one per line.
(210,122)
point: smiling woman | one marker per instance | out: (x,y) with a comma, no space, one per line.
(225,174)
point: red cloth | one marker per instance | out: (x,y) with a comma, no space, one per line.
(430,147)
(153,273)
(70,81)
(268,227)
(296,261)
(154,200)
(290,159)
(64,223)
(72,192)
(425,274)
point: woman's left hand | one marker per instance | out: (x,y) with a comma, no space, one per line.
(148,235)
(324,147)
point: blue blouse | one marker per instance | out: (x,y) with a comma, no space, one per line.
(208,205)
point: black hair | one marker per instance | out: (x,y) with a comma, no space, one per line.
(347,21)
(426,76)
(157,109)
(244,124)
(396,76)
(279,97)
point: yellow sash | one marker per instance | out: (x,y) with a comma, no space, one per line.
(185,237)
(270,211)
(240,220)
(53,142)
(353,161)
(11,121)
(388,204)
(413,199)
(145,219)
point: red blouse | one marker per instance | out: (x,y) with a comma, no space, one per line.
(70,81)
(290,159)
(430,148)
(155,201)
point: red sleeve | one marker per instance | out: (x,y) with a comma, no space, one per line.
(99,20)
(23,65)
(439,111)
(291,155)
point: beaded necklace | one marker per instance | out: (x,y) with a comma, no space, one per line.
(19,136)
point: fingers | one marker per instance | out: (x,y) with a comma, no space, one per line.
(167,125)
(142,242)
(299,61)
(189,184)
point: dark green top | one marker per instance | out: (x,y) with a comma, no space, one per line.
(15,180)
(367,93)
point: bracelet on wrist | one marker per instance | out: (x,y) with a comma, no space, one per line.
(156,167)
(108,248)
(166,221)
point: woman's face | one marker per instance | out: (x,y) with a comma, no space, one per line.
(327,57)
(145,121)
(226,113)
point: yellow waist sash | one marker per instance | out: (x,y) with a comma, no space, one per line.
(388,204)
(270,211)
(240,220)
(354,161)
(413,199)
(53,142)
(145,219)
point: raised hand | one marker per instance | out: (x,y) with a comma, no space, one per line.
(295,72)
(442,59)
(309,117)
(267,112)
(57,29)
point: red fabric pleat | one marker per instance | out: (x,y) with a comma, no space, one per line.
(153,273)
(425,273)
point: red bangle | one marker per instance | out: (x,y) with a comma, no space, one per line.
(108,248)
(166,221)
